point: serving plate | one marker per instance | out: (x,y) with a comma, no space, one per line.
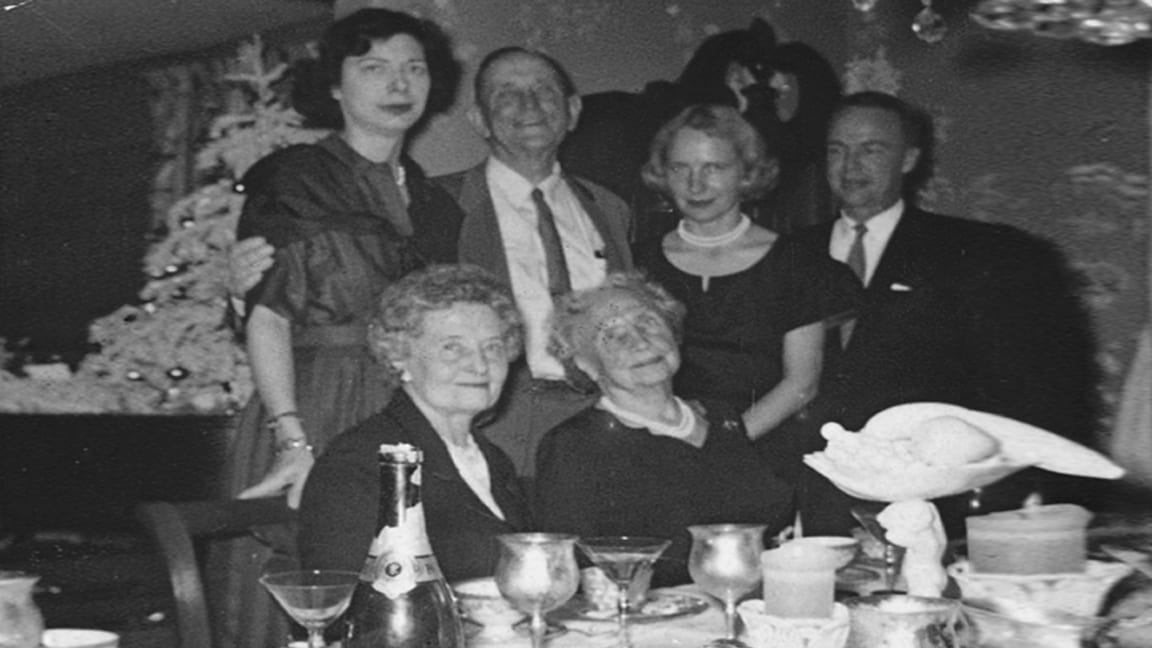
(659,606)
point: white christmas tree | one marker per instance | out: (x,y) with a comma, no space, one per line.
(174,352)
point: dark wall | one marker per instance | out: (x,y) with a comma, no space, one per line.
(75,172)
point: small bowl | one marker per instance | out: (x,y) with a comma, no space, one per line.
(480,601)
(76,638)
(762,630)
(845,547)
(1001,623)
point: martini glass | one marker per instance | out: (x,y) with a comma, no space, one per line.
(622,558)
(314,599)
(537,573)
(865,513)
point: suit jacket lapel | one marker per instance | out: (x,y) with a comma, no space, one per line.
(613,255)
(899,256)
(480,239)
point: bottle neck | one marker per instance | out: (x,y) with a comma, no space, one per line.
(400,557)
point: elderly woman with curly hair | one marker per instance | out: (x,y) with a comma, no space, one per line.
(447,334)
(642,461)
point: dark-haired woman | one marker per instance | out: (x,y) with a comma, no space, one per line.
(347,216)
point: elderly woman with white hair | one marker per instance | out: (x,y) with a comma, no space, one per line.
(642,461)
(447,334)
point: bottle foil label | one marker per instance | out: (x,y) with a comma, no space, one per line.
(394,574)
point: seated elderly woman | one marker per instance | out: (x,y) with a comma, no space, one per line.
(448,334)
(641,461)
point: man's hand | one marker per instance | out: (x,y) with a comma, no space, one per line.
(247,263)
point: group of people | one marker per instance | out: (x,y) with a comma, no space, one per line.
(498,319)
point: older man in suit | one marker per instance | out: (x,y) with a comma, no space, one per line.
(950,310)
(543,231)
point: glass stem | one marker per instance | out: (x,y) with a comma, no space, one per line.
(730,617)
(538,629)
(622,609)
(316,639)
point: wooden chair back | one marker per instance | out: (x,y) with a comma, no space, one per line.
(176,527)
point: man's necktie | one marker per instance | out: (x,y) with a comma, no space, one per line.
(558,280)
(858,263)
(856,259)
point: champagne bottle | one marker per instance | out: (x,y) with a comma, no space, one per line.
(402,600)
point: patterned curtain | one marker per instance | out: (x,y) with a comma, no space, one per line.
(1132,434)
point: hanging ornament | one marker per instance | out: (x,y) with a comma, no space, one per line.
(134,376)
(187,222)
(177,373)
(928,25)
(238,187)
(149,308)
(171,269)
(864,5)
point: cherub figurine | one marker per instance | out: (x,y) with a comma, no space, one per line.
(916,526)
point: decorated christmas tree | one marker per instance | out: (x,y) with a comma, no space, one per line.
(173,352)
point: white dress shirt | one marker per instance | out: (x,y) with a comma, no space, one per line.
(876,239)
(583,252)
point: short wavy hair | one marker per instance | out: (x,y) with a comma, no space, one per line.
(721,122)
(353,35)
(563,77)
(572,309)
(399,318)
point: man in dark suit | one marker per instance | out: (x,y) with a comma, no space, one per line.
(950,310)
(526,103)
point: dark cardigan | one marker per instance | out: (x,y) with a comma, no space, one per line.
(341,498)
(597,476)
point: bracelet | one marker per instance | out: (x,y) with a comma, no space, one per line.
(284,445)
(273,421)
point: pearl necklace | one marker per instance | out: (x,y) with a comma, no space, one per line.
(679,430)
(714,241)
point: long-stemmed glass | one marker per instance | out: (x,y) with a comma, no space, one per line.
(865,513)
(314,599)
(622,558)
(537,573)
(725,562)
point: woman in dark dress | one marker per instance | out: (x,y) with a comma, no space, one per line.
(754,332)
(348,216)
(642,461)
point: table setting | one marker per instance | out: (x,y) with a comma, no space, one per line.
(1043,576)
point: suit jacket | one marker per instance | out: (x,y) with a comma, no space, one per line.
(480,240)
(971,313)
(338,513)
